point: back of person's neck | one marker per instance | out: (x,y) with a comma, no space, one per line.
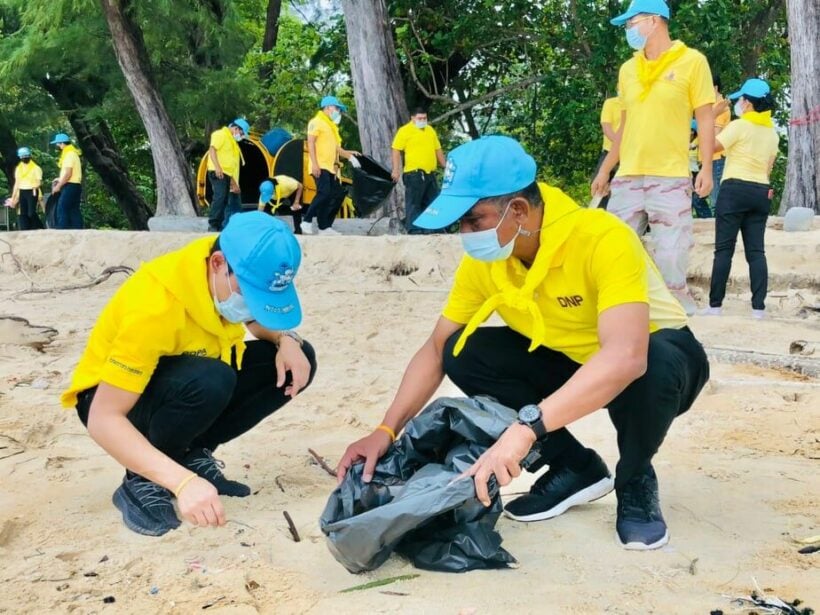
(657,44)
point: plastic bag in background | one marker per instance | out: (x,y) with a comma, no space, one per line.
(51,209)
(416,504)
(372,184)
(274,139)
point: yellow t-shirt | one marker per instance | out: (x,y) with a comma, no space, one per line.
(227,152)
(721,122)
(419,146)
(285,186)
(749,149)
(611,114)
(588,261)
(70,159)
(327,142)
(164,309)
(656,134)
(28,176)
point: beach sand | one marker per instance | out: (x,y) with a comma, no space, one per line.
(738,473)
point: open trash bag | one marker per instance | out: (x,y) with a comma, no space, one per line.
(416,504)
(372,184)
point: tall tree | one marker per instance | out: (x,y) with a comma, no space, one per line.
(803,172)
(175,189)
(377,83)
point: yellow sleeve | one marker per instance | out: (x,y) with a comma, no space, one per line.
(620,95)
(400,140)
(606,112)
(314,128)
(38,174)
(701,89)
(729,135)
(619,269)
(217,139)
(17,173)
(466,296)
(436,141)
(722,120)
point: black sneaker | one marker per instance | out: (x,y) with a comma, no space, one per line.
(640,525)
(201,461)
(145,506)
(560,489)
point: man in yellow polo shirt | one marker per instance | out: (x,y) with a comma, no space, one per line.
(422,154)
(660,87)
(224,162)
(69,184)
(28,177)
(167,377)
(589,324)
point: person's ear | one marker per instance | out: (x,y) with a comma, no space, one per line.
(520,208)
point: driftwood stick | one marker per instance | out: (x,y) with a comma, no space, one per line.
(293,531)
(322,463)
(16,260)
(104,275)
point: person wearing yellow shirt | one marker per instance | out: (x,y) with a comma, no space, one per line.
(167,375)
(750,143)
(610,123)
(419,143)
(587,323)
(282,195)
(324,150)
(224,162)
(28,177)
(68,184)
(660,88)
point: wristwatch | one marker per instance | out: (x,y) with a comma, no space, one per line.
(530,415)
(293,335)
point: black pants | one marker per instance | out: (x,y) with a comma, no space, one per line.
(68,214)
(199,402)
(495,362)
(328,200)
(420,189)
(28,219)
(285,209)
(742,206)
(224,203)
(604,201)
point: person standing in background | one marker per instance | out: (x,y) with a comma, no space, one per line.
(68,184)
(722,118)
(28,177)
(224,161)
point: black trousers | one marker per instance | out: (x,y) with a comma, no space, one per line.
(495,362)
(285,209)
(330,194)
(68,214)
(200,402)
(604,201)
(224,203)
(742,206)
(28,219)
(420,189)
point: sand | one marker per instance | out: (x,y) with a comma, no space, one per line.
(738,473)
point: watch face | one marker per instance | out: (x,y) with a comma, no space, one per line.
(529,414)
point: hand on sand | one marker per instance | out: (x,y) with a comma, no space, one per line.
(600,185)
(369,449)
(291,358)
(703,183)
(502,459)
(199,504)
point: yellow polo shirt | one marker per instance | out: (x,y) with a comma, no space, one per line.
(419,146)
(656,134)
(749,149)
(164,309)
(588,262)
(327,142)
(227,153)
(28,176)
(611,114)
(70,160)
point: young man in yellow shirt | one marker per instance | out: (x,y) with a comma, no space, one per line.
(28,177)
(419,143)
(224,162)
(660,87)
(276,192)
(167,377)
(68,184)
(588,324)
(324,150)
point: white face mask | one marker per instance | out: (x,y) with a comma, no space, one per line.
(739,109)
(420,124)
(336,116)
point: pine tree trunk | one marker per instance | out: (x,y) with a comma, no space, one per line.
(803,173)
(380,104)
(175,188)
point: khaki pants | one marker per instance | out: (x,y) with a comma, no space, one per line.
(664,205)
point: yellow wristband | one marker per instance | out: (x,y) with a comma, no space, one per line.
(388,431)
(183,484)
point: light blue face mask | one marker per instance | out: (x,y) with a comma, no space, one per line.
(738,109)
(233,309)
(484,245)
(635,39)
(420,124)
(336,117)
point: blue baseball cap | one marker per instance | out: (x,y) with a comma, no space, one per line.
(24,152)
(756,88)
(242,123)
(264,255)
(327,101)
(487,167)
(60,137)
(638,7)
(265,191)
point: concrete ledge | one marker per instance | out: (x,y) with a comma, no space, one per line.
(186,224)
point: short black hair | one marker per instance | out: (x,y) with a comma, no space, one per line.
(717,82)
(273,181)
(418,110)
(532,194)
(763,103)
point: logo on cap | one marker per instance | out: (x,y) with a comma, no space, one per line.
(282,279)
(449,173)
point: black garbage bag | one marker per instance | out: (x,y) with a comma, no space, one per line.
(372,184)
(416,504)
(51,209)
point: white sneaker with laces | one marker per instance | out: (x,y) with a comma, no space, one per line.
(759,314)
(307,228)
(328,231)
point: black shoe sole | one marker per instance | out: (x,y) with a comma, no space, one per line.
(131,521)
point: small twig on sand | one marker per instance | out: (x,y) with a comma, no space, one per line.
(16,260)
(322,463)
(293,531)
(279,483)
(380,583)
(104,275)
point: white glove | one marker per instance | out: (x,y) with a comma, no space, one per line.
(355,162)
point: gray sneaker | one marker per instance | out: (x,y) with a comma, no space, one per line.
(145,506)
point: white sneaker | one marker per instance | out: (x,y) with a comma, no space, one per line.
(328,231)
(307,228)
(759,314)
(712,311)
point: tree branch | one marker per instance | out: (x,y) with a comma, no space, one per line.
(489,96)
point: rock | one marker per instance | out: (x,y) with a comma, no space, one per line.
(178,224)
(798,219)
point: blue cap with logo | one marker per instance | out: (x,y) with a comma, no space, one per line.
(327,101)
(60,137)
(487,167)
(756,88)
(24,152)
(264,255)
(242,123)
(265,191)
(638,7)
